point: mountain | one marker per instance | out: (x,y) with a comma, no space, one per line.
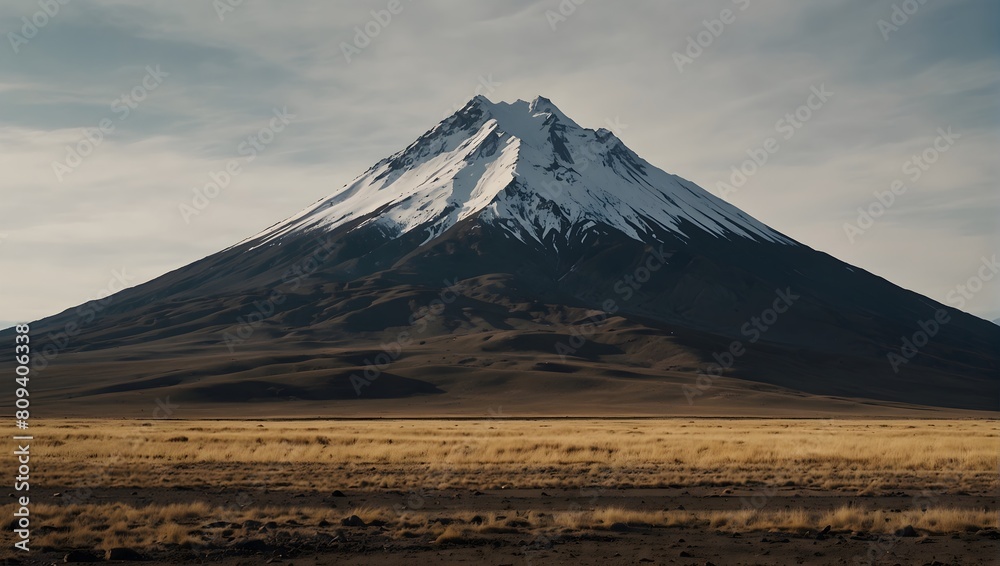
(528,169)
(511,257)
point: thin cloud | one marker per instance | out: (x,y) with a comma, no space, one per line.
(603,62)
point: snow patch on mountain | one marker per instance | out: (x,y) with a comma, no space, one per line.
(526,167)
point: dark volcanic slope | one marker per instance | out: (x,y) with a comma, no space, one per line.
(514,324)
(626,315)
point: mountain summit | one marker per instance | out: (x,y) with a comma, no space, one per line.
(511,256)
(528,168)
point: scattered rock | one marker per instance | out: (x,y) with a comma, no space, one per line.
(477,520)
(251,524)
(122,553)
(252,545)
(686,554)
(619,528)
(81,556)
(518,523)
(338,493)
(907,531)
(353,521)
(323,538)
(989,533)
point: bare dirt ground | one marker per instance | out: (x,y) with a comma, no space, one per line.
(321,544)
(715,491)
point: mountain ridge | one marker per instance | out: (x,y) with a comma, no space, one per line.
(564,175)
(554,306)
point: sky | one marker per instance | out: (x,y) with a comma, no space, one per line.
(867,130)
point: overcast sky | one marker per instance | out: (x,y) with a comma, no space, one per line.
(178,86)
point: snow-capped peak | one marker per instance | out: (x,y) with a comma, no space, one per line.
(529,168)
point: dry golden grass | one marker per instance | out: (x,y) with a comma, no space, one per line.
(113,525)
(850,455)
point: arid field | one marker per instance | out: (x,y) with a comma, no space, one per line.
(512,491)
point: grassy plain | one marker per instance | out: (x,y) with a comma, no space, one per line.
(179,490)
